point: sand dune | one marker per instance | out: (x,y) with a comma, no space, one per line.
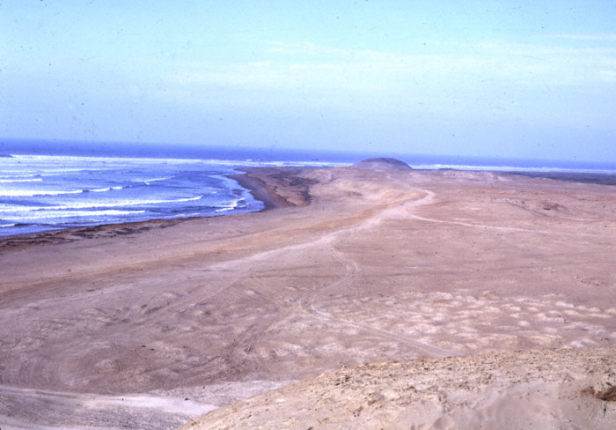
(355,266)
(530,389)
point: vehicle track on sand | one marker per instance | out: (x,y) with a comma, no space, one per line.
(409,207)
(346,282)
(305,304)
(505,229)
(174,300)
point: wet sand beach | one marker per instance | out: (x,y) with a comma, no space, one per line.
(482,287)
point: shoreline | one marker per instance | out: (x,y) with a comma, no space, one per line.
(255,180)
(259,190)
(275,187)
(362,267)
(265,185)
(579,177)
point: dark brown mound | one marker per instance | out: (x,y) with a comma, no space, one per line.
(382,164)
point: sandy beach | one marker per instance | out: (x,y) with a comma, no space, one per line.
(485,299)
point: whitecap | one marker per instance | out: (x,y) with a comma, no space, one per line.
(10,181)
(102,190)
(35,193)
(149,181)
(33,217)
(4,208)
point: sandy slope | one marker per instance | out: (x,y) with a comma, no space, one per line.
(546,389)
(381,266)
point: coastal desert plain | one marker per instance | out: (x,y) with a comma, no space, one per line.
(438,299)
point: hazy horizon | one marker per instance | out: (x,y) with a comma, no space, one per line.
(522,80)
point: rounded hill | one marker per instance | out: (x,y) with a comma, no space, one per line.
(383,163)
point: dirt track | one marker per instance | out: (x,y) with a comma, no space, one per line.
(381,266)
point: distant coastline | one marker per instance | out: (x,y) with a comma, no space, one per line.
(257,156)
(29,203)
(584,177)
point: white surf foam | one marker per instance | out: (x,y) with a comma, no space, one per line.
(11,181)
(34,193)
(4,208)
(38,216)
(149,181)
(102,190)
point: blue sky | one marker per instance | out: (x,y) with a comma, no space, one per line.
(525,79)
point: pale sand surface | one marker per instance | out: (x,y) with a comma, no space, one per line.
(149,326)
(544,389)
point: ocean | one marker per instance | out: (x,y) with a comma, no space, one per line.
(56,185)
(50,186)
